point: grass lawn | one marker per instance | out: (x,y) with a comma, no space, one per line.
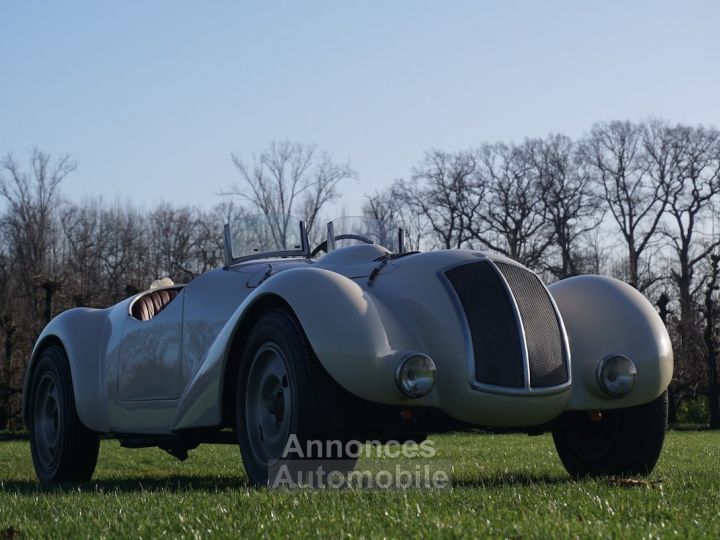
(504,486)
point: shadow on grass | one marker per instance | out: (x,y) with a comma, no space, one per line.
(512,479)
(131,485)
(6,436)
(210,484)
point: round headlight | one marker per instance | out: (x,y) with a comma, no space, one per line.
(415,375)
(617,375)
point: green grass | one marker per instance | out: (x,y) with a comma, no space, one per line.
(504,486)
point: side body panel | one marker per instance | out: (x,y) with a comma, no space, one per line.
(159,357)
(210,301)
(175,349)
(149,364)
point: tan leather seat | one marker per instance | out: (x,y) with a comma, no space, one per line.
(152,303)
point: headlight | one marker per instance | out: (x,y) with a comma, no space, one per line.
(616,375)
(415,375)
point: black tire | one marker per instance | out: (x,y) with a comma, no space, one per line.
(625,442)
(313,410)
(63,449)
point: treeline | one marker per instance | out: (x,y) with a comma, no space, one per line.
(632,200)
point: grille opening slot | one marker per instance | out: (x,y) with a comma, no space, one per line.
(491,318)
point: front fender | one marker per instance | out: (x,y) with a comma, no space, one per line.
(352,334)
(603,317)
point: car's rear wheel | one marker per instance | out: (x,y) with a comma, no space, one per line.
(620,442)
(283,393)
(63,449)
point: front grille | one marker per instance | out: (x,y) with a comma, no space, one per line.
(543,335)
(496,337)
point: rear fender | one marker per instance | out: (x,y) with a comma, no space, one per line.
(82,332)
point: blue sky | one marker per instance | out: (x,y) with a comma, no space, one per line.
(150,98)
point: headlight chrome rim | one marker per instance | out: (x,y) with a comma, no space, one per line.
(415,375)
(616,375)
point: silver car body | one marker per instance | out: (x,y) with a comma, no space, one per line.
(168,374)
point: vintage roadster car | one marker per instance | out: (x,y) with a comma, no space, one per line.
(361,343)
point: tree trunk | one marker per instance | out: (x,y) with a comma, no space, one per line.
(710,348)
(688,337)
(662,304)
(672,406)
(632,266)
(5,372)
(49,287)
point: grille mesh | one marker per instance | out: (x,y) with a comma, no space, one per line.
(491,318)
(546,352)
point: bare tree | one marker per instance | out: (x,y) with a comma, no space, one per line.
(571,206)
(615,153)
(125,258)
(691,194)
(171,240)
(289,178)
(29,225)
(83,248)
(444,189)
(513,219)
(208,240)
(384,211)
(392,204)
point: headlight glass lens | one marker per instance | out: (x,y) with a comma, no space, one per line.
(415,376)
(617,376)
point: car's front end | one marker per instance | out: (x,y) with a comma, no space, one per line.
(506,350)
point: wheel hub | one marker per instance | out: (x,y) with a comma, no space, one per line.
(268,403)
(48,420)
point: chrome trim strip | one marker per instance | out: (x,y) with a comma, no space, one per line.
(482,387)
(227,247)
(330,245)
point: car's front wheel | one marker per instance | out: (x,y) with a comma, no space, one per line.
(63,449)
(285,401)
(619,442)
